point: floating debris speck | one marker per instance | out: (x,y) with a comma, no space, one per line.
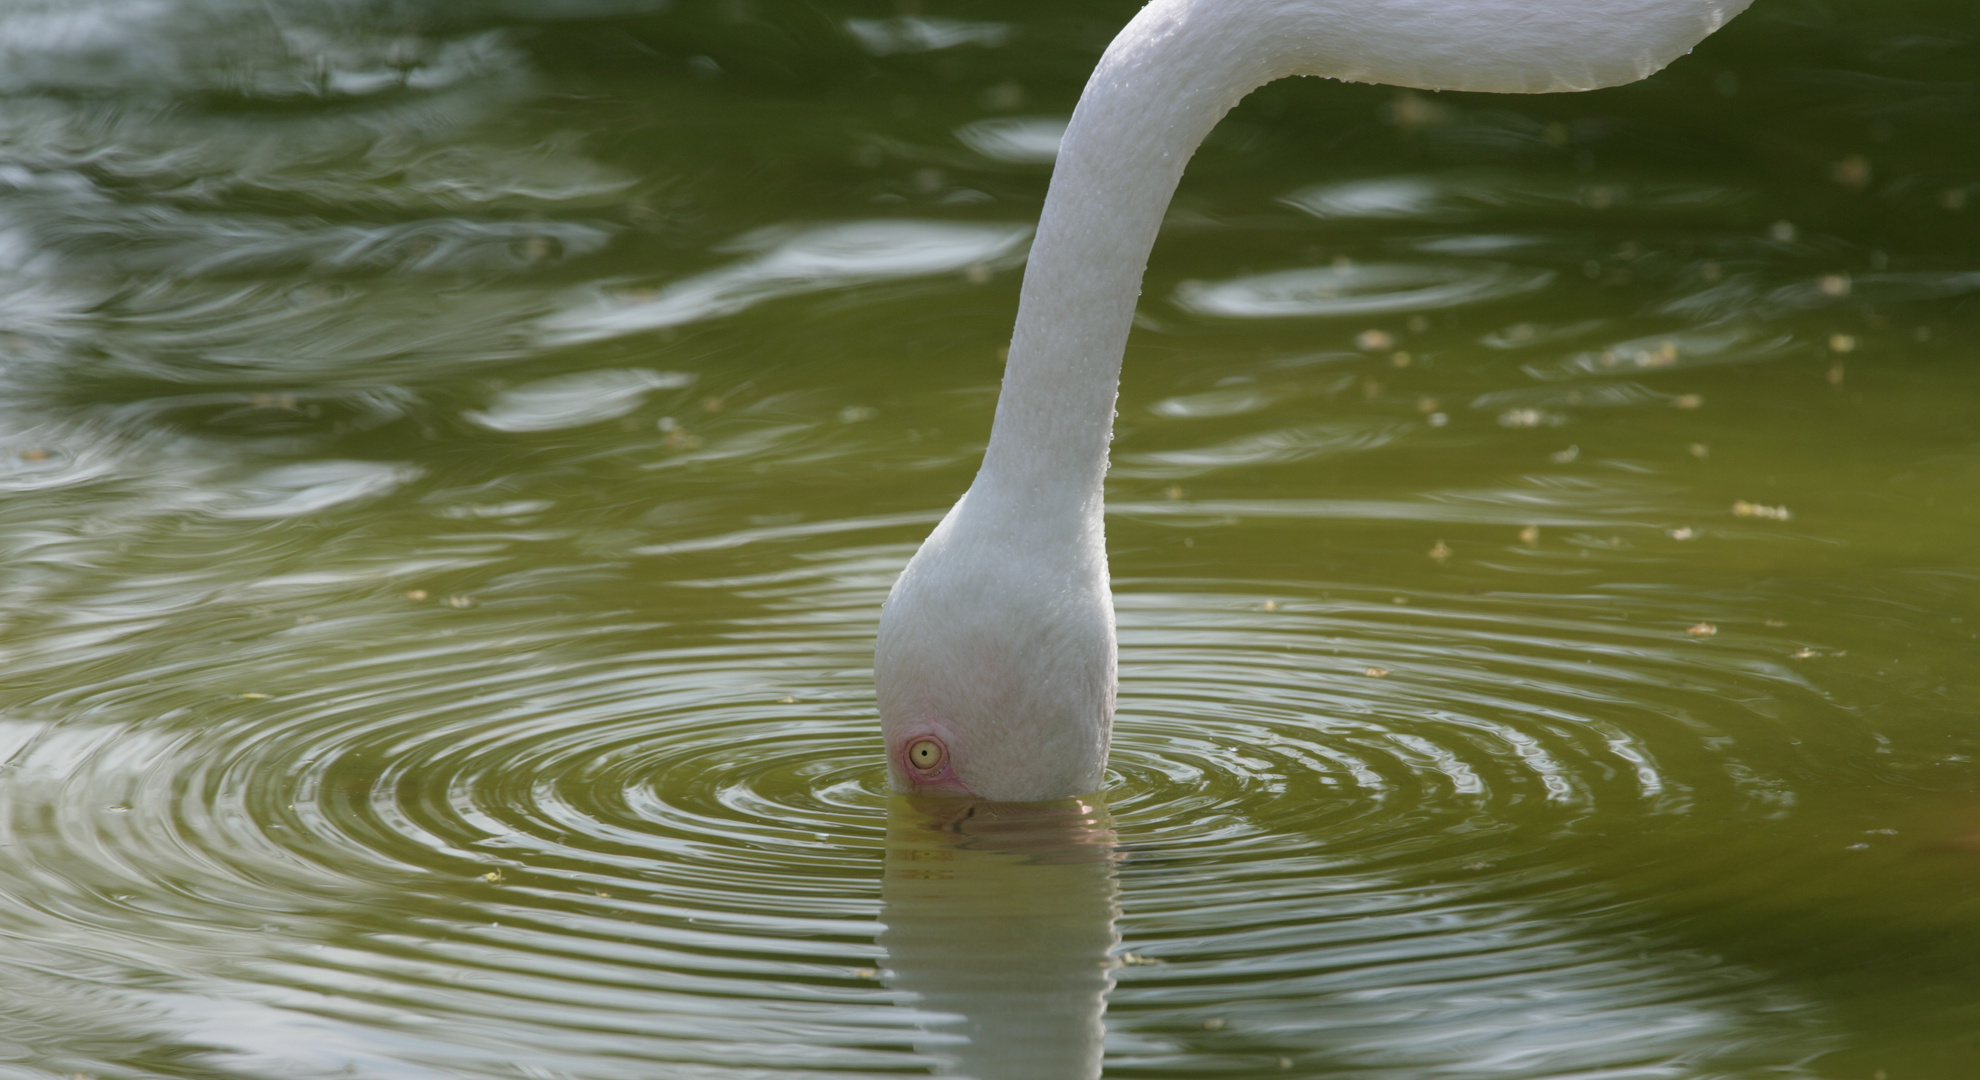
(1742,508)
(1852,172)
(1523,418)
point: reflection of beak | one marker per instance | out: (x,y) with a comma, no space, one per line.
(1000,920)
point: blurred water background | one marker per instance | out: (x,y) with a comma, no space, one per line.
(452,455)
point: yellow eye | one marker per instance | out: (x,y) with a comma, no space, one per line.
(925,754)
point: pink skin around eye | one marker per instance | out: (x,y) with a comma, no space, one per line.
(942,778)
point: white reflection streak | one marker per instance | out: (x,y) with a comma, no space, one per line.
(913,34)
(310,486)
(1018,139)
(790,264)
(1468,194)
(564,401)
(1264,448)
(1359,289)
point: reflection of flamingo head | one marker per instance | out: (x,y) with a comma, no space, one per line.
(999,922)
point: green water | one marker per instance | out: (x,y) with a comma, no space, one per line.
(452,456)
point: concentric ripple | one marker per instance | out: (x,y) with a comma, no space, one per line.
(503,842)
(625,846)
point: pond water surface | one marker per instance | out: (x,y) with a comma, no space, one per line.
(452,456)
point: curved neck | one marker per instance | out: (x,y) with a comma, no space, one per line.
(1162,85)
(1175,70)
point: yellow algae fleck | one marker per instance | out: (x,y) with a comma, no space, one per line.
(1742,508)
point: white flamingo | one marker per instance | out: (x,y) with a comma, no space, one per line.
(995,663)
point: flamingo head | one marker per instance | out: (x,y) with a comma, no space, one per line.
(995,665)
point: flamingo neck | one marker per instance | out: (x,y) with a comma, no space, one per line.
(998,638)
(1156,94)
(1166,80)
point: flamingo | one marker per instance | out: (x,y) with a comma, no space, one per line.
(995,663)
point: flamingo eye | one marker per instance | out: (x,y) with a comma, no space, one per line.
(926,754)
